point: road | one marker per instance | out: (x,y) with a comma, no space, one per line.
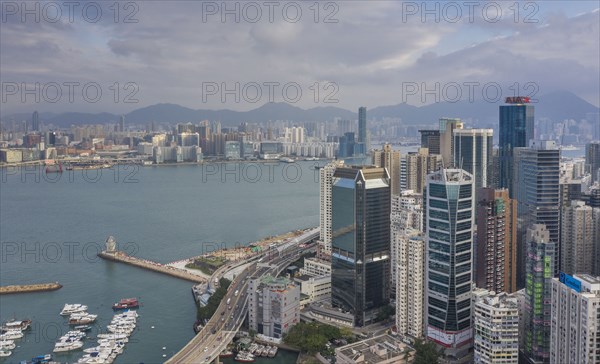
(229,316)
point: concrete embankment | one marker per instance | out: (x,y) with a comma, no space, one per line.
(26,288)
(153,266)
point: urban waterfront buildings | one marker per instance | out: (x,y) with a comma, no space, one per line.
(273,305)
(389,159)
(472,149)
(516,129)
(360,256)
(410,268)
(541,253)
(575,325)
(449,256)
(496,259)
(496,328)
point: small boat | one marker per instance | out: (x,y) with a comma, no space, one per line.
(126,303)
(265,351)
(16,325)
(41,359)
(226,354)
(5,353)
(286,160)
(67,346)
(83,328)
(82,319)
(11,335)
(7,345)
(273,351)
(73,308)
(244,357)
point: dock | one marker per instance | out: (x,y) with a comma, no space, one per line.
(118,256)
(27,288)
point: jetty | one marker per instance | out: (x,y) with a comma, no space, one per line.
(111,253)
(26,288)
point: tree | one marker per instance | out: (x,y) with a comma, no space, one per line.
(427,352)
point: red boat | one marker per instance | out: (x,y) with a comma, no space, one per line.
(126,303)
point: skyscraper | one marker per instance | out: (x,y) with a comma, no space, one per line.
(362,132)
(418,166)
(325,183)
(496,261)
(575,333)
(592,160)
(577,238)
(389,159)
(541,252)
(538,192)
(122,123)
(447,128)
(35,121)
(449,257)
(410,267)
(516,129)
(360,257)
(430,139)
(473,153)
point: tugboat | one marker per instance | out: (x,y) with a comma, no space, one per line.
(126,303)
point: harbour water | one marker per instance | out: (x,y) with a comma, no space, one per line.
(52,231)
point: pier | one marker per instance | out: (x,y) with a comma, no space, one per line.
(41,287)
(117,256)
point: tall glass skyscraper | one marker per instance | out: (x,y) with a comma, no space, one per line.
(537,191)
(449,258)
(361,252)
(473,153)
(362,132)
(516,129)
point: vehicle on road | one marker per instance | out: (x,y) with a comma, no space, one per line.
(236,293)
(228,301)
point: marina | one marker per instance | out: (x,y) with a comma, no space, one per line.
(193,234)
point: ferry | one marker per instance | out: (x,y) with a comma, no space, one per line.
(244,357)
(286,160)
(16,325)
(126,303)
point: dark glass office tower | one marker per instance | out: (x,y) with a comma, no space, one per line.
(360,259)
(449,259)
(362,124)
(516,129)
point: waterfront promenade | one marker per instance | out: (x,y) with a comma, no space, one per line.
(41,287)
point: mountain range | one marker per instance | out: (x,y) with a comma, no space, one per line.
(556,106)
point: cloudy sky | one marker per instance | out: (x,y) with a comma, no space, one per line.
(354,53)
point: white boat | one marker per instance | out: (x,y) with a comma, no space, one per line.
(16,325)
(286,160)
(112,337)
(83,318)
(7,345)
(67,346)
(11,335)
(5,353)
(73,308)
